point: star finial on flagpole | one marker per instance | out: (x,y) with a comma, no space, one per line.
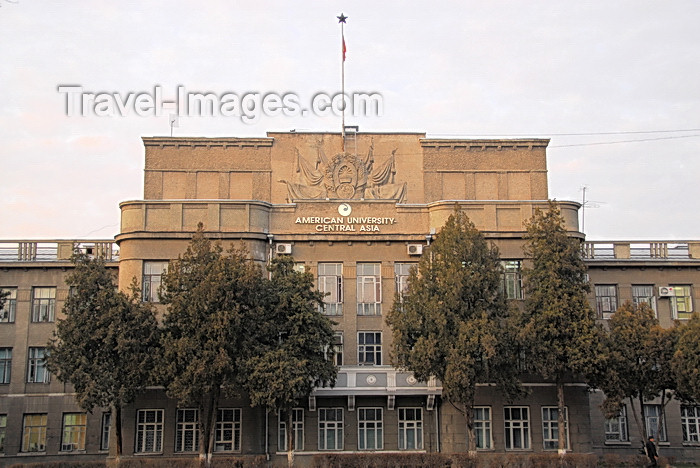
(341,18)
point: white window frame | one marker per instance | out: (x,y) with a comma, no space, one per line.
(690,424)
(517,425)
(512,280)
(73,433)
(550,427)
(43,304)
(616,429)
(152,278)
(36,366)
(606,300)
(9,310)
(653,419)
(105,430)
(149,431)
(370,428)
(337,348)
(187,430)
(682,301)
(365,349)
(228,421)
(402,272)
(369,288)
(5,365)
(644,294)
(34,432)
(298,427)
(410,428)
(482,428)
(330,284)
(330,428)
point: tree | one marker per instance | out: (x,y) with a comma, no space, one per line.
(107,344)
(214,299)
(559,333)
(637,363)
(3,298)
(686,360)
(451,322)
(290,353)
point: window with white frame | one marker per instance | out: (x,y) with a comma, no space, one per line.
(187,430)
(330,428)
(369,348)
(482,428)
(644,294)
(149,431)
(369,289)
(330,284)
(370,429)
(401,273)
(36,366)
(228,430)
(152,277)
(34,433)
(517,427)
(3,429)
(550,427)
(43,304)
(73,437)
(652,414)
(106,429)
(512,279)
(681,302)
(616,428)
(410,429)
(690,423)
(5,365)
(7,313)
(337,349)
(606,300)
(298,428)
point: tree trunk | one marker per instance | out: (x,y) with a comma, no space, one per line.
(290,439)
(471,433)
(561,418)
(207,426)
(641,425)
(115,440)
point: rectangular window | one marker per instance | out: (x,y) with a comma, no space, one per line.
(370,430)
(34,433)
(369,348)
(7,313)
(369,289)
(550,427)
(681,302)
(517,427)
(187,430)
(482,428)
(512,279)
(3,429)
(149,431)
(690,423)
(297,424)
(616,428)
(152,275)
(43,304)
(401,273)
(652,414)
(330,284)
(606,300)
(105,431)
(73,437)
(36,366)
(228,430)
(337,349)
(644,294)
(410,429)
(5,365)
(330,428)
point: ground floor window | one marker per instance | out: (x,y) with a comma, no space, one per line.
(228,430)
(187,430)
(550,428)
(655,425)
(3,428)
(410,429)
(482,428)
(105,431)
(370,429)
(616,428)
(73,437)
(149,431)
(517,427)
(690,422)
(34,433)
(330,429)
(297,425)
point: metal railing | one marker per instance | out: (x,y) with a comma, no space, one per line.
(641,250)
(55,250)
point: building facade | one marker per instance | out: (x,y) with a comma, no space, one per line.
(357,212)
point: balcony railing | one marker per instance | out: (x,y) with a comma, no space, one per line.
(641,250)
(56,250)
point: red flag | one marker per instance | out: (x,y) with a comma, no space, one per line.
(344,48)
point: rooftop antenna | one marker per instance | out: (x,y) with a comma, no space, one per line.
(341,20)
(174,122)
(584,204)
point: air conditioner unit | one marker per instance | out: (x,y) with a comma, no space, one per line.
(415,249)
(666,291)
(283,249)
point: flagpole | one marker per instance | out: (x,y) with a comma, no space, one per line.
(341,20)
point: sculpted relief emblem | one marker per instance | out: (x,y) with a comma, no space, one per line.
(345,176)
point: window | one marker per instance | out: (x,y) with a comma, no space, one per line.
(43,304)
(517,427)
(149,431)
(690,422)
(228,430)
(482,428)
(370,433)
(36,366)
(644,294)
(5,365)
(606,300)
(681,302)
(34,433)
(369,348)
(330,428)
(330,284)
(652,414)
(187,430)
(550,427)
(337,349)
(7,313)
(152,274)
(3,428)
(616,428)
(512,279)
(297,424)
(401,274)
(105,431)
(73,437)
(410,429)
(369,289)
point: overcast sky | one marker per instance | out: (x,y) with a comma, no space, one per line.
(623,75)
